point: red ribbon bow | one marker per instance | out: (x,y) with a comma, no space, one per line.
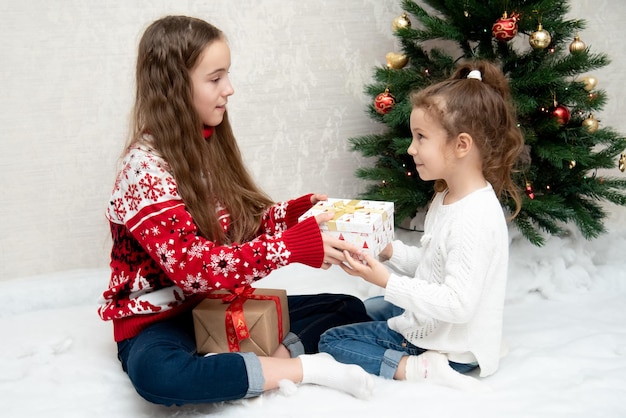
(207,131)
(235,321)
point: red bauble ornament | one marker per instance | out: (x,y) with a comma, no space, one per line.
(505,28)
(562,114)
(384,102)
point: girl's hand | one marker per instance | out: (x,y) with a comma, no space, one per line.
(334,250)
(372,271)
(386,253)
(317,198)
(333,247)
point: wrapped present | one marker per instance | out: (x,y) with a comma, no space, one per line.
(247,319)
(367,224)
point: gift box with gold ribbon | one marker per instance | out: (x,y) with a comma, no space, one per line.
(367,224)
(246,319)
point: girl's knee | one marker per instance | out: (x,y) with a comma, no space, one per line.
(328,338)
(355,307)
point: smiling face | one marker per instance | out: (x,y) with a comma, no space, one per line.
(429,148)
(210,83)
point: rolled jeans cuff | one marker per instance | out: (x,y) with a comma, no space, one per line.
(293,344)
(255,375)
(390,362)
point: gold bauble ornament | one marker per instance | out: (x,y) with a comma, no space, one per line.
(590,124)
(590,82)
(401,22)
(622,162)
(540,39)
(396,61)
(577,45)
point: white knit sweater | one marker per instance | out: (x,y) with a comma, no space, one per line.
(453,287)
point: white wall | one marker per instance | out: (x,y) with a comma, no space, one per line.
(299,69)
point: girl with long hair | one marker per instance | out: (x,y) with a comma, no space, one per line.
(186,219)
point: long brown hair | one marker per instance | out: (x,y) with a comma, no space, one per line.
(208,173)
(484,110)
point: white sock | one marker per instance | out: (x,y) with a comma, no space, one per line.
(433,367)
(322,369)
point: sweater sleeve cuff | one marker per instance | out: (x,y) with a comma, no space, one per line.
(396,258)
(396,291)
(304,241)
(296,208)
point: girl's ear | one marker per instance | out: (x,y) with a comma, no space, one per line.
(464,144)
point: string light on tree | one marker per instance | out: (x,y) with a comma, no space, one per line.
(593,176)
(409,173)
(505,27)
(592,98)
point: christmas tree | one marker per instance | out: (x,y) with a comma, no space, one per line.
(556,96)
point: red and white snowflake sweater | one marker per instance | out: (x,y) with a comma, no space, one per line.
(160,266)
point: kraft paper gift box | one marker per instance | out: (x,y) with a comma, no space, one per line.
(255,320)
(366,223)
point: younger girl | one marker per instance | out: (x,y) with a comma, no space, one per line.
(441,313)
(186,218)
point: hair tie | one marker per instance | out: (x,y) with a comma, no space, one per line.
(475,74)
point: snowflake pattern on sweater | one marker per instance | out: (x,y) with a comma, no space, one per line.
(161,265)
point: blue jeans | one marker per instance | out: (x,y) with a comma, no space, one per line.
(373,345)
(163,366)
